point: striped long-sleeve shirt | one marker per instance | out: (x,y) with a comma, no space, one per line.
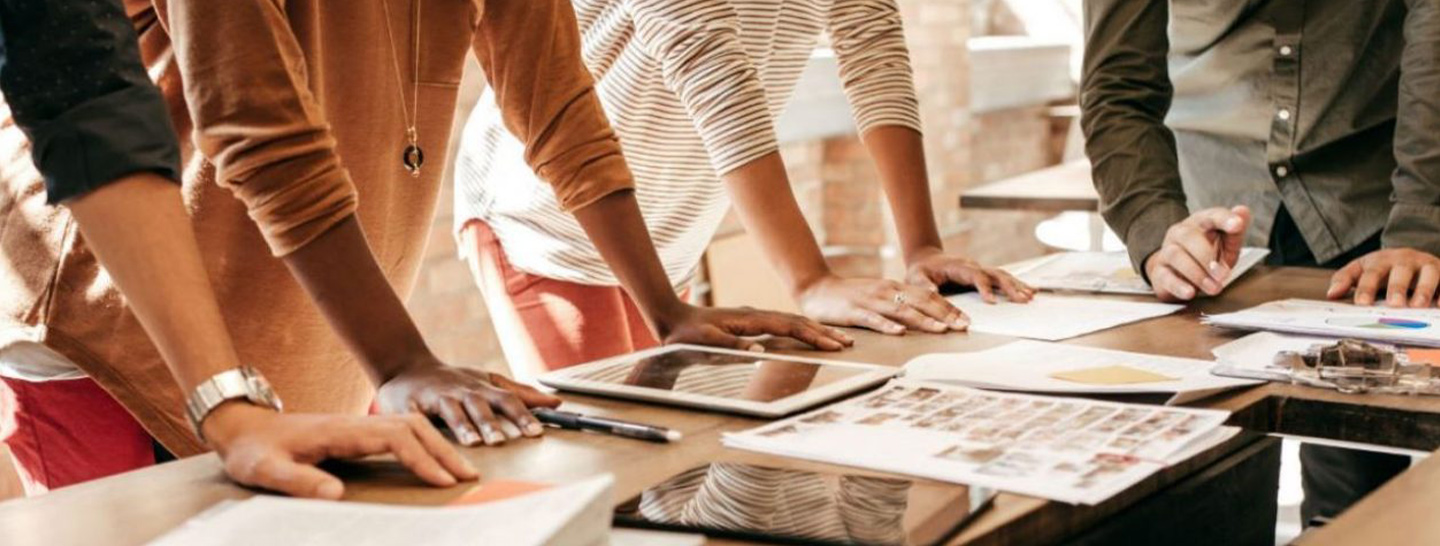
(693,88)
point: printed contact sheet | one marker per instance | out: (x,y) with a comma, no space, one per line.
(1066,449)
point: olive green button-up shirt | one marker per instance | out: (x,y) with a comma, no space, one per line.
(1329,108)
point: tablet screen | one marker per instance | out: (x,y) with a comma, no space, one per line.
(721,375)
(756,502)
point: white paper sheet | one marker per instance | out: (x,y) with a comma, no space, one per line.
(1107,272)
(640,537)
(1051,317)
(1253,356)
(576,514)
(1065,449)
(1029,366)
(1332,319)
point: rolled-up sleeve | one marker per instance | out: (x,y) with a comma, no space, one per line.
(869,41)
(697,43)
(1415,218)
(1125,93)
(75,85)
(530,51)
(255,118)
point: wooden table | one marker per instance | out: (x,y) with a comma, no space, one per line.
(1061,188)
(1224,495)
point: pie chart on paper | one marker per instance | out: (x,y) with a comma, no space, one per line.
(1379,323)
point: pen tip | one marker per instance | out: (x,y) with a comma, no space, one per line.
(673,435)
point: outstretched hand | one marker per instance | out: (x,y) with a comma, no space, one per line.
(477,406)
(279,451)
(730,328)
(1409,277)
(934,268)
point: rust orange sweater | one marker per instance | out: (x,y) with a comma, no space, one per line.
(294,122)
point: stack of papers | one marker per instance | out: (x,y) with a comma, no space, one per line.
(1253,356)
(1331,319)
(1106,272)
(578,514)
(1065,449)
(1034,366)
(1049,317)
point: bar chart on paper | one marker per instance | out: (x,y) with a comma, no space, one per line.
(1332,319)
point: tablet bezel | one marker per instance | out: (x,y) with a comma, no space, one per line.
(568,379)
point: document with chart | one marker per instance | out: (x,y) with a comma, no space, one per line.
(1334,319)
(1106,272)
(1065,449)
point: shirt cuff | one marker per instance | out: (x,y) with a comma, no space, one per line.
(587,174)
(1146,233)
(296,201)
(103,140)
(1413,225)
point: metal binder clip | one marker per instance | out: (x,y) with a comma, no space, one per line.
(1354,366)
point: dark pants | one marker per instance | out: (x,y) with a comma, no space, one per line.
(1333,477)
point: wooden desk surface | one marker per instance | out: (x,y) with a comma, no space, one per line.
(1060,188)
(135,507)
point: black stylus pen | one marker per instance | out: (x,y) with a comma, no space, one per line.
(638,431)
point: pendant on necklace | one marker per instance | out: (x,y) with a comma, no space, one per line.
(413,159)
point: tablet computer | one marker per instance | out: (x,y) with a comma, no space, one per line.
(758,384)
(787,506)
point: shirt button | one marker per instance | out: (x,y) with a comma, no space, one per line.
(1281,171)
(1284,113)
(1285,51)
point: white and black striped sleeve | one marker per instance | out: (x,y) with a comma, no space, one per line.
(704,62)
(869,41)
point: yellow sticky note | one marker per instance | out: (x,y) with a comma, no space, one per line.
(1112,375)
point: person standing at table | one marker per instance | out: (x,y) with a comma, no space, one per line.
(100,135)
(1311,127)
(273,96)
(694,88)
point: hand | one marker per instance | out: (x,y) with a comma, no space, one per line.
(885,306)
(478,406)
(723,327)
(931,268)
(279,451)
(1198,254)
(1397,269)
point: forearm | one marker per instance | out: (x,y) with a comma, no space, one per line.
(1125,96)
(342,277)
(899,154)
(614,224)
(1415,218)
(767,207)
(141,234)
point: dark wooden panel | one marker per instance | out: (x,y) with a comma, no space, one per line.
(1232,502)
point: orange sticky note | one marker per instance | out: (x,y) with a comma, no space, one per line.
(1426,356)
(498,490)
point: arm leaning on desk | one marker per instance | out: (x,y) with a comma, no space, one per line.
(1176,504)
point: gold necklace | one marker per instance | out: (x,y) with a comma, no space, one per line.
(413,157)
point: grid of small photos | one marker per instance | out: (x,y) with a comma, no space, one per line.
(1086,447)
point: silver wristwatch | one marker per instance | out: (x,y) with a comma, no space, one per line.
(237,383)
